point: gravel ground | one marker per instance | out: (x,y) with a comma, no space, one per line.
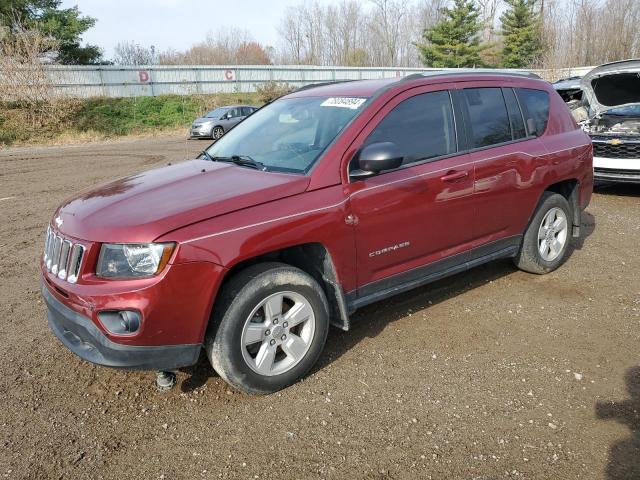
(493,373)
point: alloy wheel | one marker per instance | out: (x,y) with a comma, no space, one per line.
(217,133)
(553,234)
(278,333)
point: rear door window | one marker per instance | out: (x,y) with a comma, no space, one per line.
(535,104)
(515,115)
(489,121)
(421,126)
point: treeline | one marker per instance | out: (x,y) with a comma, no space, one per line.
(439,33)
(433,33)
(378,33)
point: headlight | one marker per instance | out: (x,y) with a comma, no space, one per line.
(133,260)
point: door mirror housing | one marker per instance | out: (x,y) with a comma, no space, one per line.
(376,158)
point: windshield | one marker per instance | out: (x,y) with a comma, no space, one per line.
(289,134)
(217,113)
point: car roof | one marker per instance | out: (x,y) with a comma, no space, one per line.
(227,107)
(368,88)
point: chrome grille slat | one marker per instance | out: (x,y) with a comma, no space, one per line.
(62,257)
(46,244)
(77,252)
(49,252)
(55,257)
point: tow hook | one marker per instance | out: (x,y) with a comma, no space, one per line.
(165,380)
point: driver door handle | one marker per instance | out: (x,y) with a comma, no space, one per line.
(453,175)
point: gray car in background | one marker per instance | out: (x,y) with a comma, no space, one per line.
(219,121)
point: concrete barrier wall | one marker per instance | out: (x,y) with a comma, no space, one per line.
(117,81)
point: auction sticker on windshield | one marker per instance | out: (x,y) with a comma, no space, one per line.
(344,102)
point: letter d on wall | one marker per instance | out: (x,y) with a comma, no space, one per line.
(143,75)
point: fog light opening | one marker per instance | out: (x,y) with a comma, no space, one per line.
(120,322)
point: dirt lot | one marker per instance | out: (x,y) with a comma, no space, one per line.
(494,373)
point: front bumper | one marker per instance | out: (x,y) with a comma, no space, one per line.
(79,334)
(616,169)
(201,132)
(616,159)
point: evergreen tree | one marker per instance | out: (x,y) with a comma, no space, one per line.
(522,46)
(454,41)
(64,25)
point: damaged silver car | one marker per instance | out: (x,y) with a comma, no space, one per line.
(570,91)
(609,111)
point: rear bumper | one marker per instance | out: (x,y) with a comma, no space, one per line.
(79,334)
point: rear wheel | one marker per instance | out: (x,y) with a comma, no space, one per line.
(546,241)
(269,327)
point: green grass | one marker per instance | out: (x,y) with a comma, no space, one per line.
(113,117)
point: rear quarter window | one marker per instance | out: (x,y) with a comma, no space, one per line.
(535,104)
(488,117)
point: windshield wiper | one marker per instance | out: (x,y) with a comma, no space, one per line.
(243,160)
(206,155)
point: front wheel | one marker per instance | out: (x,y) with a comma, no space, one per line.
(269,327)
(217,133)
(546,240)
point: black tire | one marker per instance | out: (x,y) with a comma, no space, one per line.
(529,257)
(219,135)
(238,298)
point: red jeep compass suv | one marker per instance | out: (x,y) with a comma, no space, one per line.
(323,201)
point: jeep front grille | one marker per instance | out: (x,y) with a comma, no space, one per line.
(62,257)
(621,150)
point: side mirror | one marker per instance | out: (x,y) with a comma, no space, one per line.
(377,157)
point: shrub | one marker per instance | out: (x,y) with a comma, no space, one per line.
(271,90)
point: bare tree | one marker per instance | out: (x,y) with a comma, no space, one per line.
(227,47)
(130,53)
(23,74)
(293,39)
(343,37)
(428,12)
(590,32)
(353,33)
(488,10)
(388,23)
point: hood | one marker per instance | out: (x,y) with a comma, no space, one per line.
(612,85)
(201,120)
(142,207)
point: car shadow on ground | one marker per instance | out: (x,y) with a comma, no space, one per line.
(371,320)
(587,227)
(622,189)
(624,456)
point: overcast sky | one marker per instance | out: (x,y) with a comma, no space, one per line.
(177,24)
